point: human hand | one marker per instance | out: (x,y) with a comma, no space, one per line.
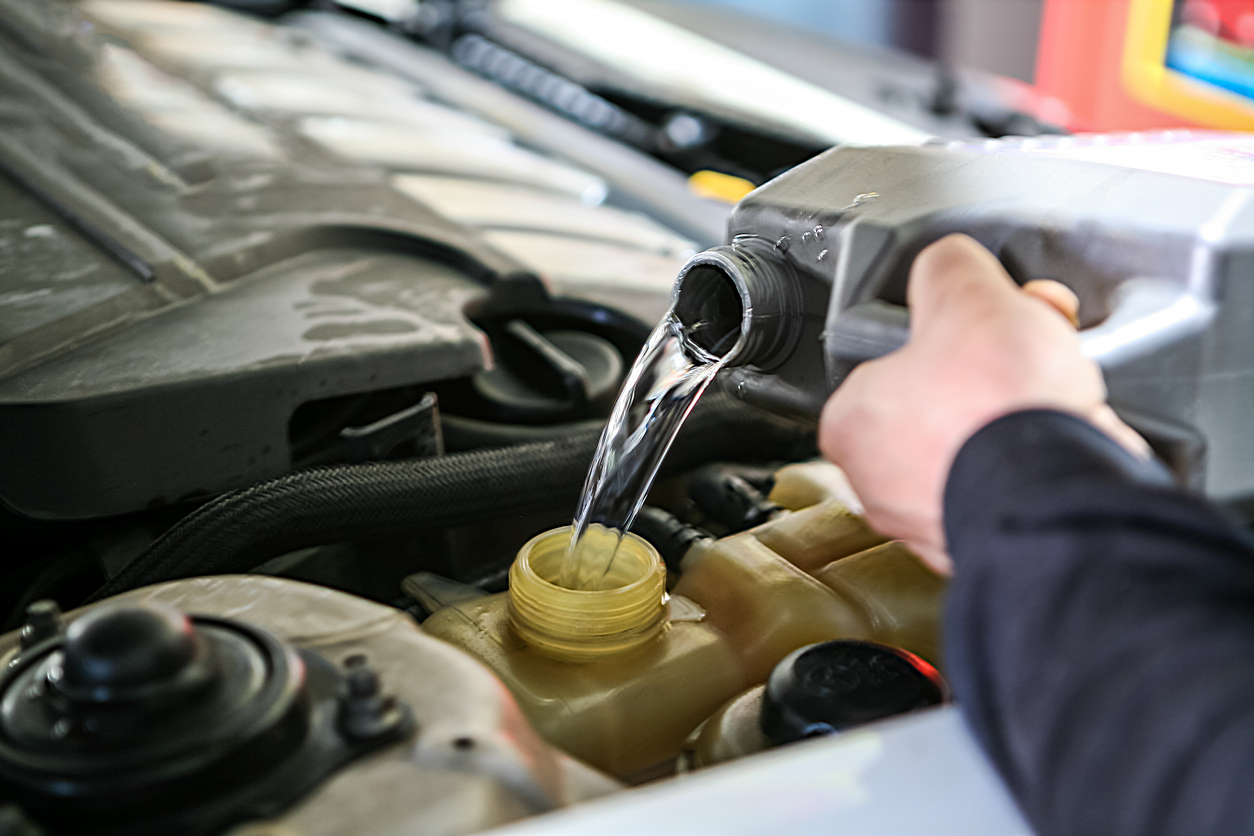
(980,347)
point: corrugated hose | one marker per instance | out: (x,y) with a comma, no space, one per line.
(242,529)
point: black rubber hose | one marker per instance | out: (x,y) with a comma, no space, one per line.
(244,528)
(668,534)
(733,496)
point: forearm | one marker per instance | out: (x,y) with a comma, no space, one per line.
(1100,633)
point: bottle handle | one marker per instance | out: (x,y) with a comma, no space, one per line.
(1148,314)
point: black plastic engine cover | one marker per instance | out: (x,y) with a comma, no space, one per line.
(164,311)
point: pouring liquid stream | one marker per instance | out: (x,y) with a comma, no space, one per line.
(660,390)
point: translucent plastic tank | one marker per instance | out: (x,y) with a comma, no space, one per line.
(765,606)
(899,597)
(895,590)
(811,576)
(617,677)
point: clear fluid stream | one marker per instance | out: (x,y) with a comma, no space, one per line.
(660,390)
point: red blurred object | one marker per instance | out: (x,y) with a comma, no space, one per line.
(1229,19)
(1079,63)
(1143,64)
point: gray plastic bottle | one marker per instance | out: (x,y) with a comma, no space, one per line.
(815,273)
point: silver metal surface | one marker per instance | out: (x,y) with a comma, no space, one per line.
(921,774)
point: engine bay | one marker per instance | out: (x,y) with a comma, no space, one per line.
(310,321)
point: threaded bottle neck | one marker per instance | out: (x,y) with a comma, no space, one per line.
(577,625)
(744,299)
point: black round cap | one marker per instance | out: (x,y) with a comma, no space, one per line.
(128,653)
(140,719)
(828,687)
(555,371)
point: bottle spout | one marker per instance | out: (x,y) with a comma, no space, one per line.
(740,303)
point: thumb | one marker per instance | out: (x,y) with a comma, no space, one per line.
(956,280)
(1058,296)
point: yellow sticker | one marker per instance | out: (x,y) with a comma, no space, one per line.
(719,186)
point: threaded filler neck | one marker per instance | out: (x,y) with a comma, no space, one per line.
(577,625)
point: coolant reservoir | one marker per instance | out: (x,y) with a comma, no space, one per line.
(811,576)
(617,677)
(898,595)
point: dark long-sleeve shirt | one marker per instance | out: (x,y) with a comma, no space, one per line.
(1100,633)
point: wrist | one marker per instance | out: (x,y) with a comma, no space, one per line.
(1028,455)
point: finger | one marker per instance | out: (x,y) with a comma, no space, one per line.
(956,280)
(835,414)
(933,556)
(1058,296)
(1105,419)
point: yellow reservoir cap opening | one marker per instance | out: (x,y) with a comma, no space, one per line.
(580,625)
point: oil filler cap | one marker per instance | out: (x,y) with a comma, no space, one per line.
(828,687)
(555,361)
(543,376)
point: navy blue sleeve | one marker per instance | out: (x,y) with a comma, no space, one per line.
(1099,633)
